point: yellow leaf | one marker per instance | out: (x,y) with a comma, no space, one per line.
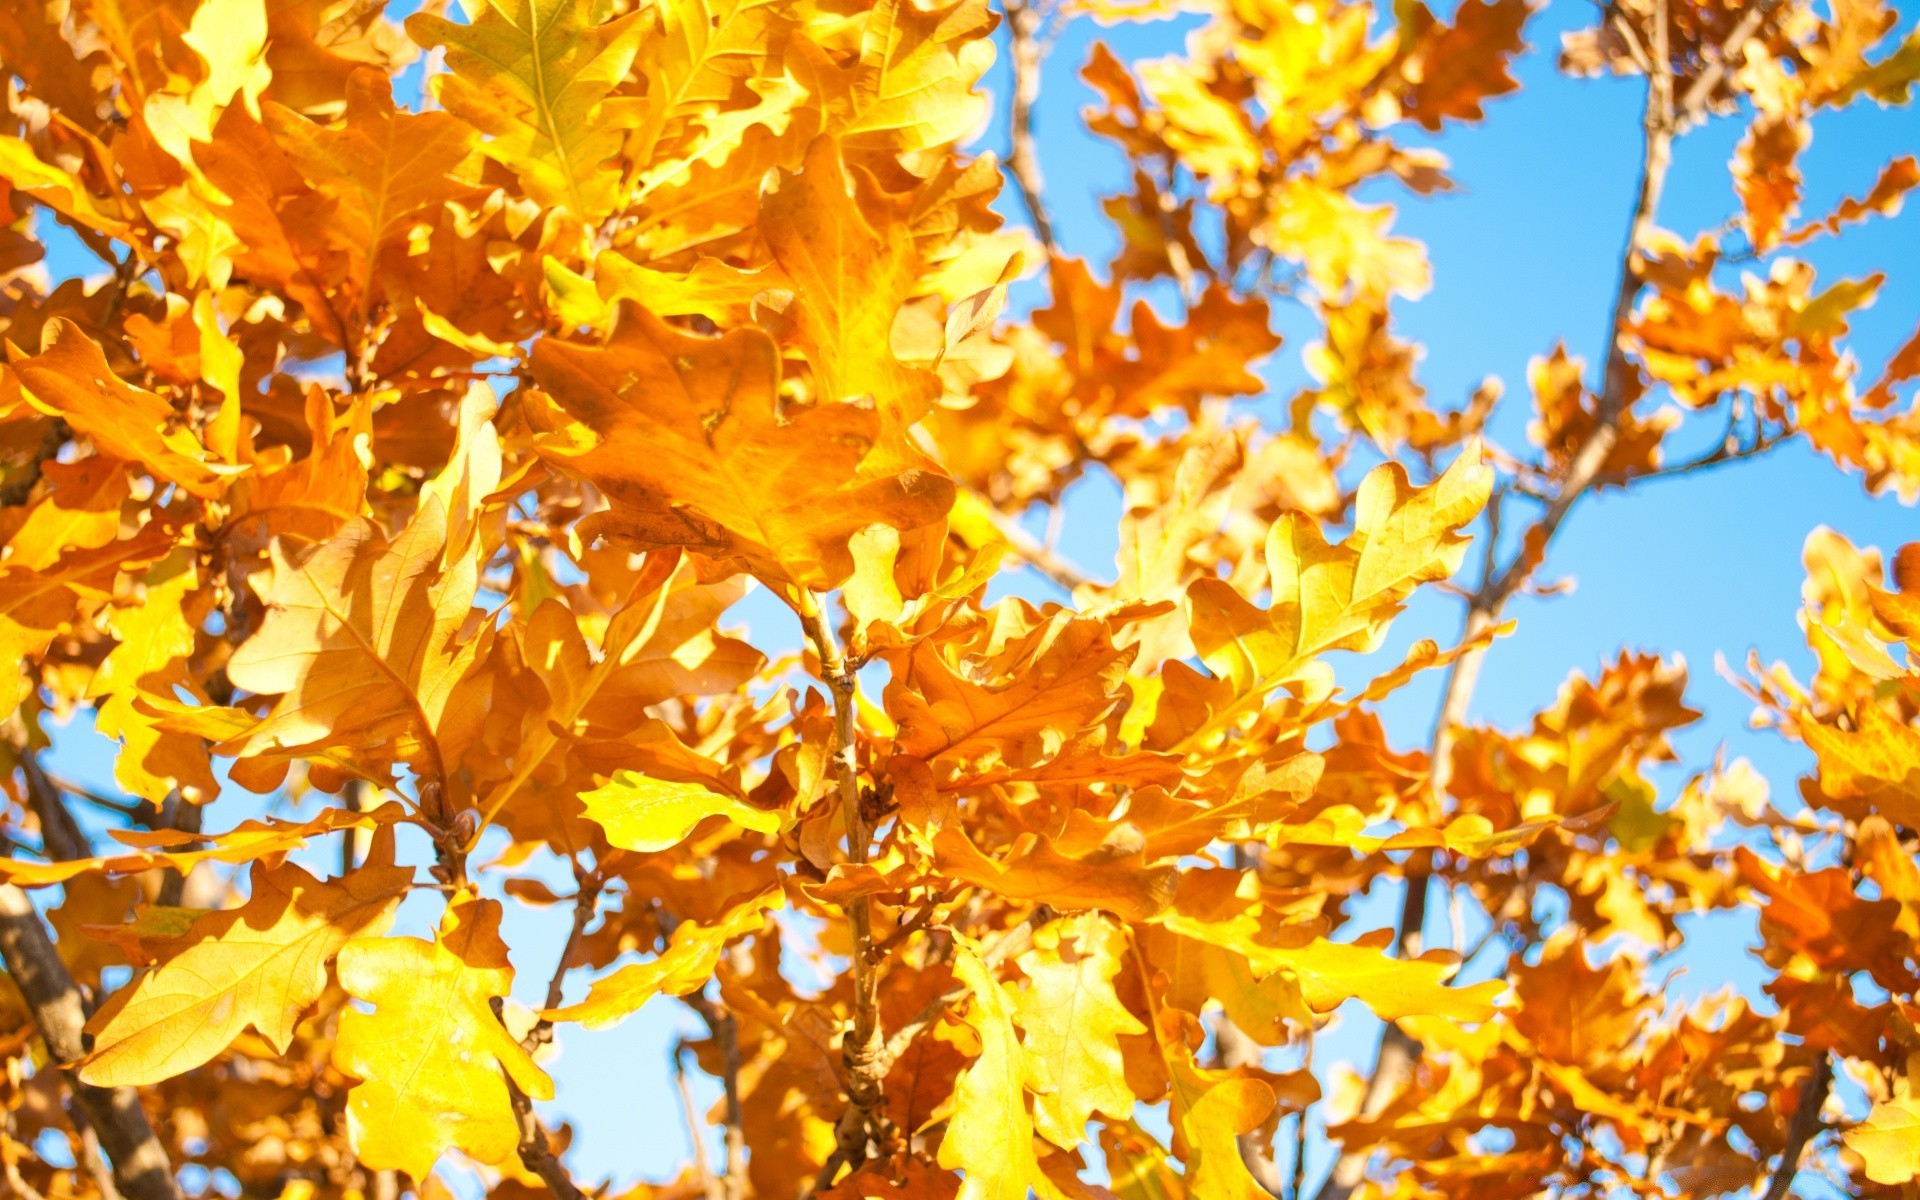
(1329,974)
(648,815)
(1210,1110)
(913,88)
(1340,597)
(990,1135)
(1889,1141)
(259,966)
(688,962)
(430,1055)
(535,77)
(1072,1022)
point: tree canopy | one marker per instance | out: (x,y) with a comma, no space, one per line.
(441,385)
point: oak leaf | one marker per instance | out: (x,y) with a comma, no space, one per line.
(686,965)
(537,76)
(687,438)
(1072,1023)
(1339,597)
(70,378)
(432,1059)
(990,1134)
(649,815)
(1889,1141)
(364,639)
(259,966)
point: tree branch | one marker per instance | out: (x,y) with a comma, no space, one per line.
(1028,53)
(1801,1128)
(725,1029)
(1398,1052)
(862,1048)
(1035,553)
(141,1169)
(586,902)
(536,1152)
(691,1116)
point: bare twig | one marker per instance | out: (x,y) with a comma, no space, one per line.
(1028,52)
(1298,1185)
(1038,554)
(585,903)
(536,1152)
(691,1115)
(725,1029)
(1801,1128)
(354,797)
(141,1170)
(1693,105)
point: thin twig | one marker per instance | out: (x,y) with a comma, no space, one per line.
(535,1151)
(1298,1184)
(1028,52)
(725,1028)
(1037,554)
(691,1115)
(1801,1128)
(585,904)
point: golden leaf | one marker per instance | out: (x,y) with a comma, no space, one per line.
(432,1058)
(686,437)
(259,966)
(649,815)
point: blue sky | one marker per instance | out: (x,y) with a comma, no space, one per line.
(1525,254)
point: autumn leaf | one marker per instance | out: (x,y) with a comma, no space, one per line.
(1120,884)
(686,965)
(1889,1141)
(843,251)
(650,815)
(536,77)
(1339,597)
(687,439)
(990,1136)
(70,379)
(1210,1110)
(1072,1021)
(432,1059)
(259,966)
(385,171)
(1877,761)
(362,642)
